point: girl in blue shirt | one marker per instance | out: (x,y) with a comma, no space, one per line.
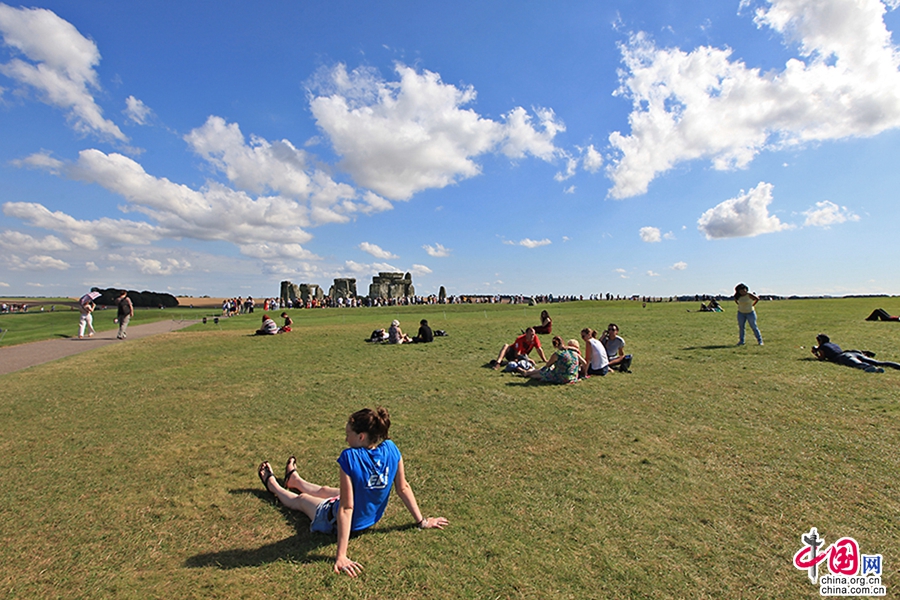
(368,468)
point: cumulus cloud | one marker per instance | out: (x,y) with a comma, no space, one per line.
(4,284)
(362,269)
(650,234)
(215,212)
(40,160)
(36,262)
(84,234)
(437,251)
(529,243)
(137,111)
(376,251)
(703,104)
(826,214)
(57,62)
(401,137)
(652,274)
(265,167)
(747,215)
(152,266)
(592,160)
(679,266)
(22,242)
(420,270)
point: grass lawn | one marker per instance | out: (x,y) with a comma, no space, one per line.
(133,475)
(62,322)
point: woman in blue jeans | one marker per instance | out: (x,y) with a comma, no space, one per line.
(746,313)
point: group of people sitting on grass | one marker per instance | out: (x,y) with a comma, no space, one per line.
(567,364)
(270,327)
(395,335)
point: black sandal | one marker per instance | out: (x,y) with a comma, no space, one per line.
(265,472)
(288,470)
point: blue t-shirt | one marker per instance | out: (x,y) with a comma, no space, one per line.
(372,473)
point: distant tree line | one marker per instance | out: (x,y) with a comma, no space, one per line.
(139,299)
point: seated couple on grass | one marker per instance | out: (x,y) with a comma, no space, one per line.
(520,349)
(564,365)
(368,468)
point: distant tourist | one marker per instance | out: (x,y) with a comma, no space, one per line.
(269,327)
(425,334)
(396,335)
(879,314)
(828,350)
(523,346)
(615,349)
(124,313)
(369,467)
(546,325)
(86,308)
(746,314)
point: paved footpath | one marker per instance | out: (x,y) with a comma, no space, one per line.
(22,356)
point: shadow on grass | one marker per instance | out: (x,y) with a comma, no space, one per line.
(302,547)
(716,347)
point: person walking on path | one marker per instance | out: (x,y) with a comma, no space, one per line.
(87,317)
(746,313)
(126,311)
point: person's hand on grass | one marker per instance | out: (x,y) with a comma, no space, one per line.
(434,523)
(345,565)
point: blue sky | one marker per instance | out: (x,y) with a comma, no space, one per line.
(634,147)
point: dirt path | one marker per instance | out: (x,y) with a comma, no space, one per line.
(15,358)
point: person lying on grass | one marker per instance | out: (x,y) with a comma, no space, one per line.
(563,366)
(828,350)
(367,469)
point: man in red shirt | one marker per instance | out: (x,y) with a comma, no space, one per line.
(523,345)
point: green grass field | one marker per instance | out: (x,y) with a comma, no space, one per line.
(62,322)
(130,471)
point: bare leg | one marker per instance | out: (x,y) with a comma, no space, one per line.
(294,482)
(502,354)
(305,503)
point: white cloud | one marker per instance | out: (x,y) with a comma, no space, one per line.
(84,234)
(828,213)
(61,67)
(569,190)
(702,104)
(361,269)
(744,216)
(22,242)
(571,167)
(529,243)
(40,160)
(593,160)
(152,266)
(37,262)
(419,270)
(652,274)
(620,271)
(137,111)
(376,251)
(650,235)
(4,284)
(679,266)
(400,137)
(437,251)
(91,266)
(264,167)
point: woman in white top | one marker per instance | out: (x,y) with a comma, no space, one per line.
(746,314)
(594,354)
